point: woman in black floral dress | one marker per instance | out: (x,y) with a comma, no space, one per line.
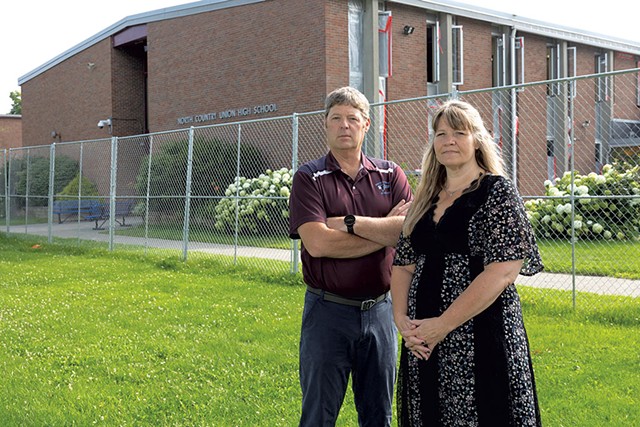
(465,359)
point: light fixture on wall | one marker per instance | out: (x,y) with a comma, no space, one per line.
(408,29)
(105,122)
(109,122)
(56,135)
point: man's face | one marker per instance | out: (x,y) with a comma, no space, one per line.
(346,128)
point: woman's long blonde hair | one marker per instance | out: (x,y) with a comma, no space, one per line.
(459,115)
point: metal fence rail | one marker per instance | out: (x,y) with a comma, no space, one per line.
(570,145)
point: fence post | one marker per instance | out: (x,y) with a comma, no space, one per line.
(513,110)
(295,255)
(5,173)
(8,202)
(146,209)
(187,201)
(112,190)
(27,188)
(572,196)
(237,219)
(79,194)
(52,174)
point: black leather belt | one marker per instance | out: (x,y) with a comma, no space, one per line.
(363,304)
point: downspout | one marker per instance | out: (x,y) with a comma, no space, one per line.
(514,116)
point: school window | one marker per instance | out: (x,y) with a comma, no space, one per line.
(384,43)
(572,69)
(499,66)
(356,17)
(551,160)
(433,52)
(638,85)
(457,54)
(500,62)
(519,56)
(598,156)
(602,83)
(553,69)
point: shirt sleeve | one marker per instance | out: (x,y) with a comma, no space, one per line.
(504,230)
(305,203)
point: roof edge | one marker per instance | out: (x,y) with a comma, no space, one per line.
(137,19)
(521,23)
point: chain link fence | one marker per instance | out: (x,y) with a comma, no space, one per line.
(571,146)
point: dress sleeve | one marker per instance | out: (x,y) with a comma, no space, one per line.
(505,233)
(404,252)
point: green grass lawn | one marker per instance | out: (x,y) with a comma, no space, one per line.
(613,258)
(278,240)
(90,337)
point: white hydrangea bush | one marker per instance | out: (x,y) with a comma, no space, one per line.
(596,216)
(262,203)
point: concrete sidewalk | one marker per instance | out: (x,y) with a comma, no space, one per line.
(602,285)
(84,230)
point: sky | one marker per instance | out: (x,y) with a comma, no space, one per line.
(33,32)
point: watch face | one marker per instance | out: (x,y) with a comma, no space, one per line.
(349,220)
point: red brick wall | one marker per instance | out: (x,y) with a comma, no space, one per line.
(335,48)
(625,101)
(409,78)
(10,131)
(69,98)
(477,54)
(271,52)
(128,92)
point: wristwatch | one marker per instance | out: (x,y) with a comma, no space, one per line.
(350,221)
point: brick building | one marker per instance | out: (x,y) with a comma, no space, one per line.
(218,61)
(10,131)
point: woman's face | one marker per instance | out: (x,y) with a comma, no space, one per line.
(454,148)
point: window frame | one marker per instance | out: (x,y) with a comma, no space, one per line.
(499,61)
(519,46)
(457,55)
(433,51)
(602,83)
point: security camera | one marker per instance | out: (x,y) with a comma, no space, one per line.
(103,123)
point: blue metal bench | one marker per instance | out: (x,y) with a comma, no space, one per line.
(101,214)
(66,209)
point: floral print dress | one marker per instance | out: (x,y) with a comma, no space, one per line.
(481,373)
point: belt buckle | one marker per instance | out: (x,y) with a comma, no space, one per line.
(367,304)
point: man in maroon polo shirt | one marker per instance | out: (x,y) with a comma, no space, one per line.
(348,210)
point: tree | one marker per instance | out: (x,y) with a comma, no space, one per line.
(33,178)
(213,168)
(16,105)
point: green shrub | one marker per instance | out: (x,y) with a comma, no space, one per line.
(72,189)
(606,217)
(262,203)
(36,173)
(413,176)
(214,165)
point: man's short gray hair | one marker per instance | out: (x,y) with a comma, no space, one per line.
(347,96)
